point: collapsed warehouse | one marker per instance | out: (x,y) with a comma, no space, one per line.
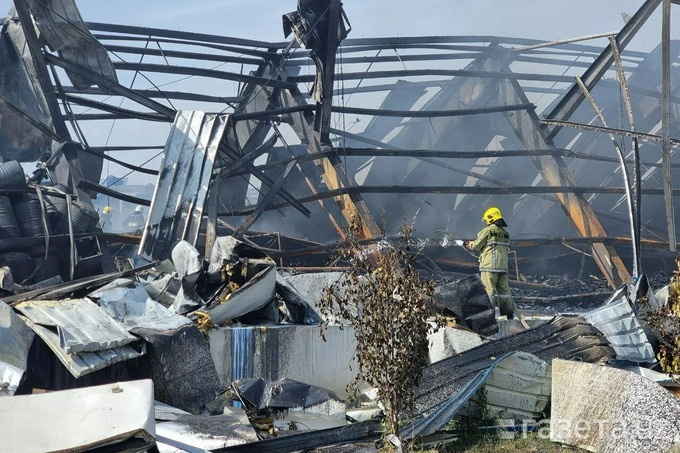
(254,194)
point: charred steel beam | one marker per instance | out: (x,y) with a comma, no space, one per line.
(472,54)
(161,94)
(310,440)
(247,159)
(42,75)
(115,87)
(432,113)
(265,202)
(439,72)
(259,174)
(136,168)
(634,224)
(237,50)
(382,112)
(469,190)
(556,173)
(611,130)
(147,31)
(570,102)
(352,206)
(666,121)
(42,127)
(181,54)
(112,193)
(441,154)
(160,118)
(326,55)
(635,203)
(125,148)
(272,112)
(149,116)
(202,72)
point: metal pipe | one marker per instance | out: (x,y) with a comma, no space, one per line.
(624,171)
(666,119)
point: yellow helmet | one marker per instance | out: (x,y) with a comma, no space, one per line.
(107,210)
(491,215)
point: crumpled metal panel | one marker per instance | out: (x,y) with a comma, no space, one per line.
(82,363)
(207,433)
(20,140)
(15,341)
(81,325)
(253,295)
(128,303)
(618,322)
(182,187)
(62,26)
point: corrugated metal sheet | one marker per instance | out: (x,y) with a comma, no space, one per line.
(618,322)
(568,337)
(62,26)
(180,193)
(517,386)
(81,324)
(82,363)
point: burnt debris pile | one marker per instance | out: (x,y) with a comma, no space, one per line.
(194,322)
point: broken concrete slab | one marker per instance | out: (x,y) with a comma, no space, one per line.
(449,341)
(75,420)
(311,285)
(299,310)
(15,342)
(604,409)
(183,372)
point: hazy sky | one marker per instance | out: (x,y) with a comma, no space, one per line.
(261,19)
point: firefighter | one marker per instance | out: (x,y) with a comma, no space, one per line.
(493,245)
(135,221)
(107,213)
